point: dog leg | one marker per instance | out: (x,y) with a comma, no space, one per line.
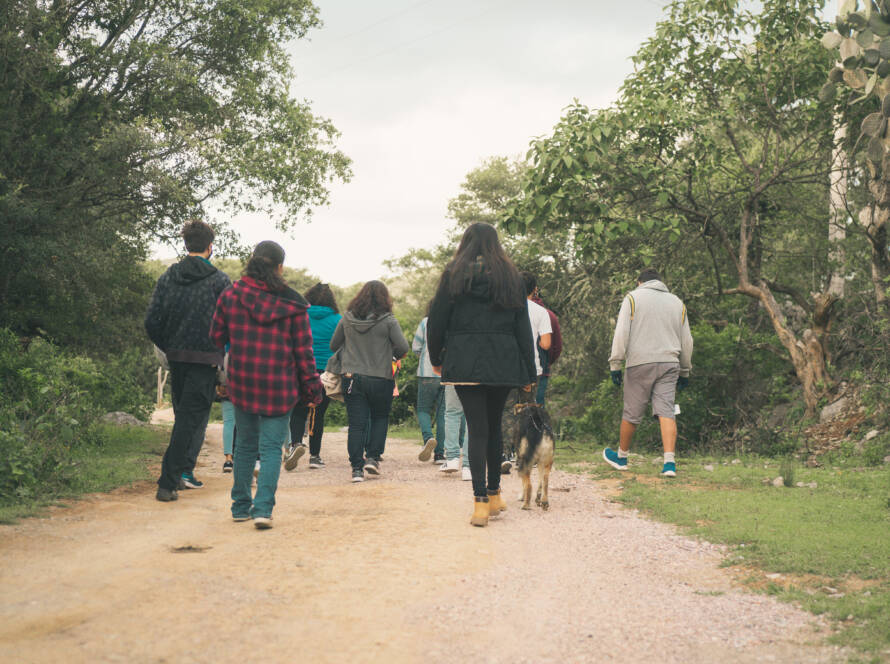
(545,484)
(526,490)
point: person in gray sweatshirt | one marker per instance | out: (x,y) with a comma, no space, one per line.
(368,339)
(653,343)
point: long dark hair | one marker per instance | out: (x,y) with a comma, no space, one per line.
(372,299)
(480,250)
(321,295)
(264,260)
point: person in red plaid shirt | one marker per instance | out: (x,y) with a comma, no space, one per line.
(271,368)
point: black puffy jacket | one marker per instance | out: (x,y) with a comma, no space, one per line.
(477,342)
(181,308)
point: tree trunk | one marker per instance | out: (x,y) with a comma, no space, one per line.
(874,220)
(837,210)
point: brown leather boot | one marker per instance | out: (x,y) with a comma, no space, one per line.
(480,511)
(496,504)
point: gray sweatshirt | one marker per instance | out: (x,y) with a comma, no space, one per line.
(652,327)
(369,344)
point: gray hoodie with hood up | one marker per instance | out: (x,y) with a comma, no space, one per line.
(369,344)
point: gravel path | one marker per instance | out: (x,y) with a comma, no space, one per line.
(385,571)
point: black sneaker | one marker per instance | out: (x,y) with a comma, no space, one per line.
(358,475)
(316,462)
(189,481)
(228,467)
(439,458)
(372,466)
(167,495)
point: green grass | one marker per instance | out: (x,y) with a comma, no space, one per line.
(123,457)
(831,543)
(405,431)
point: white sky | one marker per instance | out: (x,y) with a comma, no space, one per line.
(423,91)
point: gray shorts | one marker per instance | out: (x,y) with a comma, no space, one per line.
(655,382)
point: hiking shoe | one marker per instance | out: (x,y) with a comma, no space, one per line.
(358,475)
(316,462)
(189,481)
(669,469)
(427,450)
(450,466)
(241,517)
(466,475)
(228,467)
(439,458)
(372,466)
(506,466)
(166,495)
(611,457)
(294,453)
(262,522)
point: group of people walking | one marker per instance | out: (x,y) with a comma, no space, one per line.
(485,335)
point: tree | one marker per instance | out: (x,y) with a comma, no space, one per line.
(123,118)
(717,145)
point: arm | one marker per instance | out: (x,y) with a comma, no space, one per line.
(544,341)
(437,324)
(417,343)
(338,337)
(219,326)
(311,389)
(397,339)
(156,315)
(619,341)
(685,346)
(522,329)
(556,343)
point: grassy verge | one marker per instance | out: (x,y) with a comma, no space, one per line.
(123,457)
(405,431)
(824,545)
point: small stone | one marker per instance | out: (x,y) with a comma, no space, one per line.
(887,459)
(829,590)
(122,419)
(800,485)
(812,485)
(850,617)
(867,593)
(709,468)
(832,410)
(778,481)
(736,462)
(872,434)
(774,576)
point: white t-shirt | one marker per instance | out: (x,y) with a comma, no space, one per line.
(540,320)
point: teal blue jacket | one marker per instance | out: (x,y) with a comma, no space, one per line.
(323,321)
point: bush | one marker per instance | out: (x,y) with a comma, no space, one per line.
(50,402)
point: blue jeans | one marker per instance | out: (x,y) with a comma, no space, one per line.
(368,402)
(542,389)
(431,396)
(228,413)
(263,434)
(455,427)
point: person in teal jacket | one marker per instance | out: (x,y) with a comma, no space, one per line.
(323,319)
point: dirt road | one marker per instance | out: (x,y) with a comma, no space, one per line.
(384,571)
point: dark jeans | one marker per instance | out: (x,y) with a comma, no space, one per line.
(368,402)
(192,386)
(542,389)
(483,407)
(196,445)
(298,419)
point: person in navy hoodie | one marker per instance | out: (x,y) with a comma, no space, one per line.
(271,368)
(323,318)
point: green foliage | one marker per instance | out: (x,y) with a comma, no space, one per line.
(49,404)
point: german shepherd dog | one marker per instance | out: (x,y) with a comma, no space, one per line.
(534,444)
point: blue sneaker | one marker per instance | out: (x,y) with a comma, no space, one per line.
(189,481)
(612,458)
(669,469)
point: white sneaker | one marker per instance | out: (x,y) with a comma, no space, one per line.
(466,475)
(450,466)
(262,522)
(256,469)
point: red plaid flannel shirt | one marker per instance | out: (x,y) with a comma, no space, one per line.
(271,365)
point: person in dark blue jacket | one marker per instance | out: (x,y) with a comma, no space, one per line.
(323,318)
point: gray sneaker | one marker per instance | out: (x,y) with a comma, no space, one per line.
(358,475)
(293,456)
(427,450)
(372,466)
(167,495)
(316,462)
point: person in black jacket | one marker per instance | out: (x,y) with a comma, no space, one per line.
(480,340)
(178,322)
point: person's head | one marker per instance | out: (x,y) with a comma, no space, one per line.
(530,281)
(649,274)
(266,265)
(198,236)
(321,295)
(481,241)
(372,300)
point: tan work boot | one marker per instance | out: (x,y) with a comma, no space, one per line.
(496,504)
(480,511)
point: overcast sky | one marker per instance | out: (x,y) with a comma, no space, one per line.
(423,92)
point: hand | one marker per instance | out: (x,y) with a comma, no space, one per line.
(616,378)
(528,388)
(682,383)
(438,370)
(221,392)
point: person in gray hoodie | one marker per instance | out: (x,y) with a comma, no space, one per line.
(653,342)
(368,339)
